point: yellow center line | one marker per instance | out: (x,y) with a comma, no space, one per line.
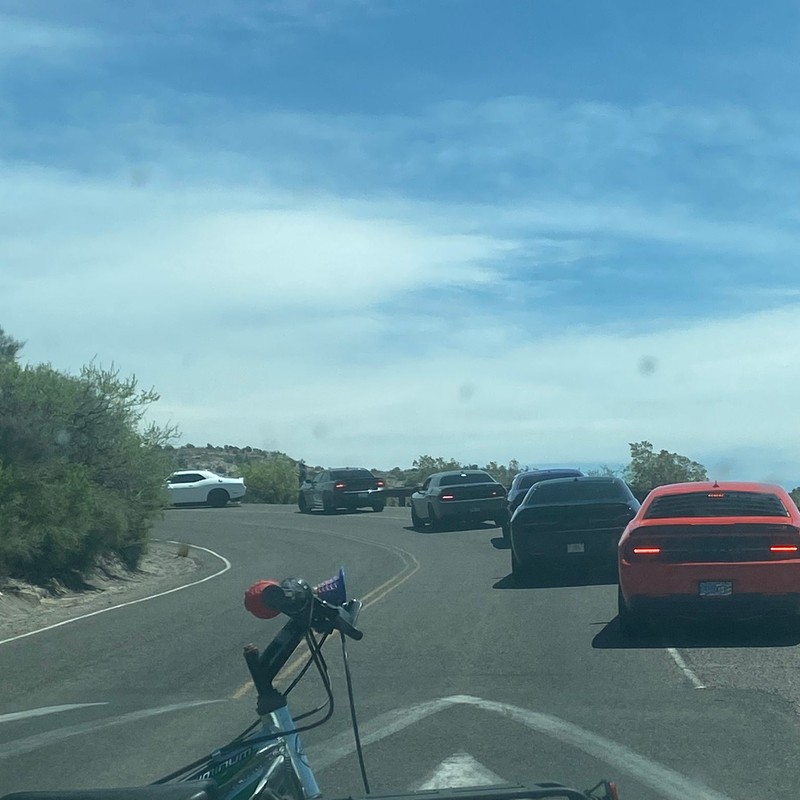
(411,565)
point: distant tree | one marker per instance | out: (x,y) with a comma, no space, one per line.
(503,474)
(648,469)
(426,465)
(795,495)
(603,471)
(272,480)
(9,346)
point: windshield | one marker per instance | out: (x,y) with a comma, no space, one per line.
(351,474)
(716,504)
(570,491)
(456,480)
(526,481)
(257,241)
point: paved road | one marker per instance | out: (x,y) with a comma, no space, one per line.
(500,681)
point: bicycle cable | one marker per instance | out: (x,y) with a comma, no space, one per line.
(319,662)
(353,717)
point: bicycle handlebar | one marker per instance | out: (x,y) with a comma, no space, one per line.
(326,605)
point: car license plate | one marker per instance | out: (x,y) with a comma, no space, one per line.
(716,588)
(363,495)
(575,548)
(474,509)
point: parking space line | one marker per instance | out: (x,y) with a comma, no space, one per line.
(688,672)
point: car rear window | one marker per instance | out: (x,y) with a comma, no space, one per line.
(546,492)
(716,504)
(457,480)
(343,474)
(526,481)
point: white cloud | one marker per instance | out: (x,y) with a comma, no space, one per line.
(21,36)
(369,331)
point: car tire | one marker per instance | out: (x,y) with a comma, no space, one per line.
(302,504)
(434,523)
(218,498)
(631,624)
(416,521)
(327,505)
(505,528)
(378,507)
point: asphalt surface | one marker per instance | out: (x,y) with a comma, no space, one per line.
(458,664)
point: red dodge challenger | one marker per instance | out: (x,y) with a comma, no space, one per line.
(702,549)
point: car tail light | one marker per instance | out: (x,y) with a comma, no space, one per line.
(379,484)
(447,497)
(339,485)
(647,551)
(783,548)
(498,492)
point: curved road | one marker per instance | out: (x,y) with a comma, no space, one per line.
(459,668)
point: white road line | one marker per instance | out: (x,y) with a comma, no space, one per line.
(685,668)
(44,711)
(130,602)
(31,743)
(461,769)
(664,781)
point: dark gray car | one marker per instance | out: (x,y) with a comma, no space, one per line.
(347,488)
(465,496)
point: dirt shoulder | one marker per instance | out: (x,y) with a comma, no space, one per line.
(25,608)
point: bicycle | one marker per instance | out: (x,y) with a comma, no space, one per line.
(270,763)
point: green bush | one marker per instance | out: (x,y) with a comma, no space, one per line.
(80,477)
(273,480)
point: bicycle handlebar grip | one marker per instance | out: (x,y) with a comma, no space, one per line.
(290,597)
(254,600)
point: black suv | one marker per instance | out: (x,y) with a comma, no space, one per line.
(344,487)
(524,480)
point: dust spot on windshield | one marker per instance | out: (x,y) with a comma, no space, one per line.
(139,176)
(320,430)
(648,365)
(62,437)
(466,392)
(724,469)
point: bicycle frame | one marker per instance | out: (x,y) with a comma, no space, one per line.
(275,770)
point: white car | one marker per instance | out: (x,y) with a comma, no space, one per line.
(202,486)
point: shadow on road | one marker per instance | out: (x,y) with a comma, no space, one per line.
(500,543)
(561,578)
(339,511)
(702,634)
(450,529)
(182,506)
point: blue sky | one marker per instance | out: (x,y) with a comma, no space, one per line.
(358,231)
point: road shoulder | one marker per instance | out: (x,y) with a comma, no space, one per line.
(25,608)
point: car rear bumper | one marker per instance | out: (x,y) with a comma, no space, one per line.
(741,606)
(358,498)
(574,545)
(755,588)
(494,508)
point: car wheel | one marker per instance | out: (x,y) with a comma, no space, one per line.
(378,507)
(303,505)
(631,624)
(416,521)
(327,505)
(434,522)
(521,571)
(505,528)
(218,498)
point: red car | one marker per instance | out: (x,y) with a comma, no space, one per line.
(701,549)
